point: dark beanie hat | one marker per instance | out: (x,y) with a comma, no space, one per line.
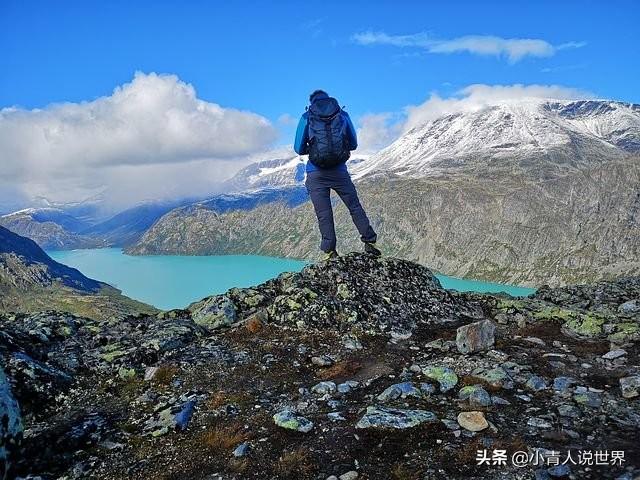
(317,92)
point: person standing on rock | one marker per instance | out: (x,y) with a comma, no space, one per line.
(325,132)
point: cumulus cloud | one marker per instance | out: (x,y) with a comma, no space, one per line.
(471,98)
(66,151)
(376,130)
(513,49)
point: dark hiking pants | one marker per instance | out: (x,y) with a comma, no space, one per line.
(319,185)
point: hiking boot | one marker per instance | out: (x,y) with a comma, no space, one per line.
(331,254)
(370,248)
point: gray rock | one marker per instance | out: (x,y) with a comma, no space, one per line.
(381,417)
(630,386)
(536,383)
(241,450)
(399,390)
(566,410)
(10,425)
(476,336)
(590,399)
(347,386)
(290,421)
(563,384)
(538,422)
(559,471)
(352,475)
(322,361)
(214,312)
(632,306)
(613,354)
(323,388)
(475,395)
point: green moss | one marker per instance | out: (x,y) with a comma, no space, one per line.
(625,331)
(504,304)
(446,377)
(588,325)
(555,313)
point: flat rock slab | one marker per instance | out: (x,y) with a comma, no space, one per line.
(381,417)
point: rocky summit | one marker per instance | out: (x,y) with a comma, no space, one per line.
(353,368)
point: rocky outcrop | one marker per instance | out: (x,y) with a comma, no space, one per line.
(349,367)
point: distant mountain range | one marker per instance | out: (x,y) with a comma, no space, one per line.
(528,192)
(30,280)
(525,192)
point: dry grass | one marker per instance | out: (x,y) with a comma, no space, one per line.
(165,374)
(221,398)
(238,465)
(224,438)
(253,325)
(295,464)
(401,472)
(346,368)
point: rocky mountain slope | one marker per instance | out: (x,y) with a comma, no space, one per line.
(31,281)
(357,367)
(531,193)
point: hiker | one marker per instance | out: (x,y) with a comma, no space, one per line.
(326,133)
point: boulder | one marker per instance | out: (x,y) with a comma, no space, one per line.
(446,378)
(476,336)
(214,312)
(630,386)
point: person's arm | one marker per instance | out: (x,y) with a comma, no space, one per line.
(302,136)
(351,132)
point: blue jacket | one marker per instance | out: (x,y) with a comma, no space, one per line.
(302,138)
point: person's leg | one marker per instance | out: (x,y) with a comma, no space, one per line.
(347,192)
(320,194)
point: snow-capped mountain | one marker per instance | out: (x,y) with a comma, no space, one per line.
(281,171)
(567,132)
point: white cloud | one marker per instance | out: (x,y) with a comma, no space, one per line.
(376,130)
(514,49)
(65,151)
(471,98)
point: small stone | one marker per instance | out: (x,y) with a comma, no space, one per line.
(559,471)
(590,399)
(399,390)
(149,373)
(322,361)
(352,343)
(290,421)
(538,422)
(476,336)
(347,386)
(535,340)
(536,383)
(475,395)
(499,400)
(630,386)
(562,384)
(352,475)
(566,410)
(324,388)
(241,450)
(472,421)
(632,306)
(336,417)
(613,354)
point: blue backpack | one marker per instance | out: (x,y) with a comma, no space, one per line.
(328,145)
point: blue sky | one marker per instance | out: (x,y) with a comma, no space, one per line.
(267,56)
(378,58)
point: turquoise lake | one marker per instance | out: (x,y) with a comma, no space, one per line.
(174,281)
